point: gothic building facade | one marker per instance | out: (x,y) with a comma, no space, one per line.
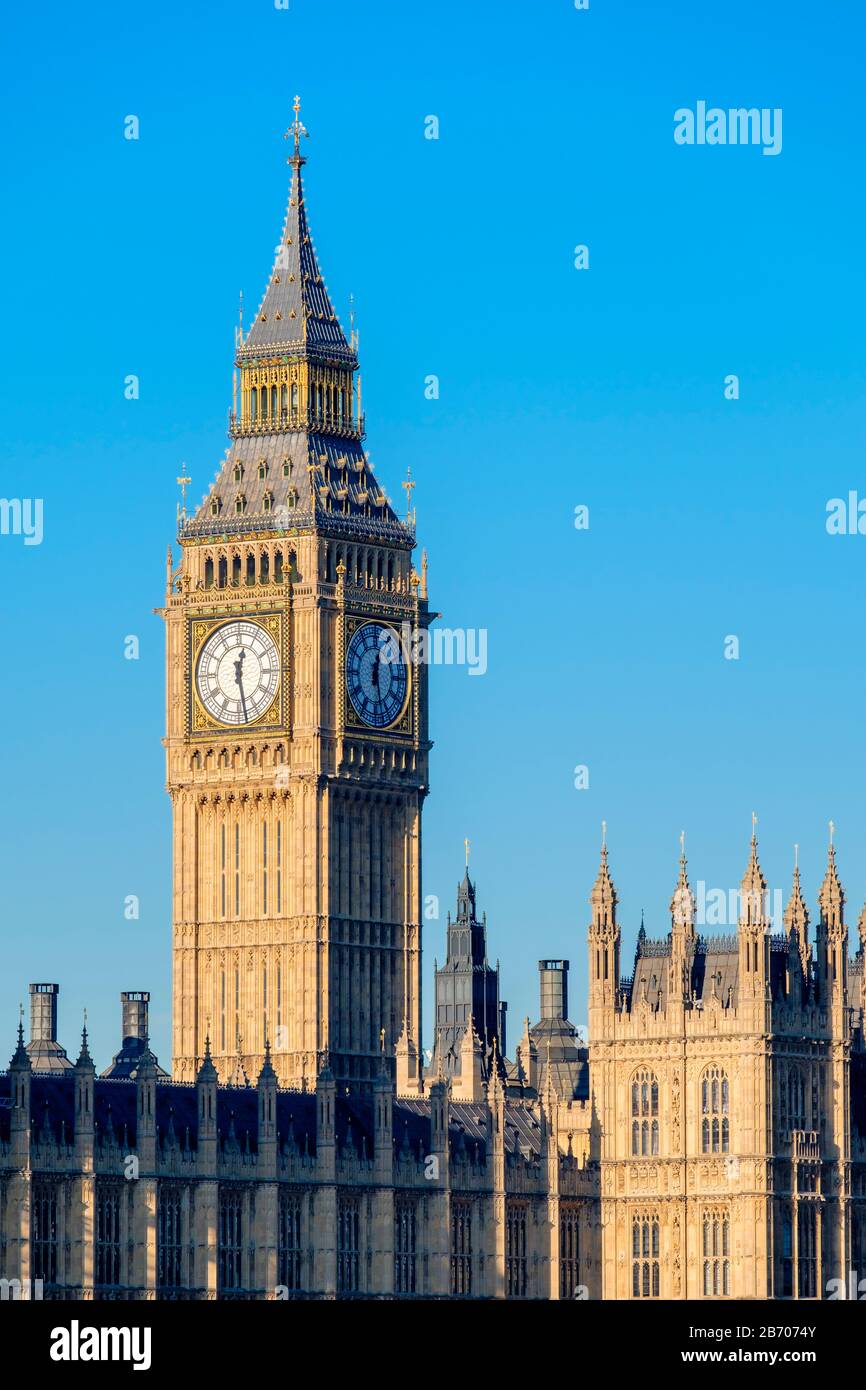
(708,1139)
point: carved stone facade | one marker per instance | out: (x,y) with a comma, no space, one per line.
(728,1085)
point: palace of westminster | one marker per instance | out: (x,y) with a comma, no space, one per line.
(708,1142)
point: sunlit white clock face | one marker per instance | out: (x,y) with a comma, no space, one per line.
(376,675)
(238,673)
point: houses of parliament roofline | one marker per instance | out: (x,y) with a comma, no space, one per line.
(488,1177)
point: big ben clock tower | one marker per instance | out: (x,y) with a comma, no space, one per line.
(296,739)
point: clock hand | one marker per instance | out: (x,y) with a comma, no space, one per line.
(374,675)
(239,667)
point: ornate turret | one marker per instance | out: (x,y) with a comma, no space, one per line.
(85,1076)
(683,900)
(682,933)
(20,1072)
(832,936)
(754,941)
(796,921)
(604,946)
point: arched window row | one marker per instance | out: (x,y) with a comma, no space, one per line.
(282,403)
(255,566)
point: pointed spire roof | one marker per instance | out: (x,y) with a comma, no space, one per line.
(207,1072)
(21,1057)
(84,1057)
(832,895)
(466,894)
(753,886)
(267,1072)
(603,898)
(296,311)
(147,1068)
(683,901)
(796,916)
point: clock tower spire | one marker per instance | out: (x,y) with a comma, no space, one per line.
(297,724)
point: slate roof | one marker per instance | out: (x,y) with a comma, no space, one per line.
(47,1056)
(346,491)
(715,963)
(558,1046)
(296,311)
(52,1108)
(125,1062)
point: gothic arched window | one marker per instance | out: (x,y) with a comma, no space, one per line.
(716,1252)
(644,1110)
(645,1249)
(796,1099)
(715,1124)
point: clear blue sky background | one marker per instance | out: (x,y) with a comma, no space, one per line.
(558,387)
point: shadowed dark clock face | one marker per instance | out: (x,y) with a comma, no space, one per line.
(376,676)
(238,673)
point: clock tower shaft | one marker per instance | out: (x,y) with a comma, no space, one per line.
(296,819)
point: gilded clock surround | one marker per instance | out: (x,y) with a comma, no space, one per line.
(352,720)
(201,721)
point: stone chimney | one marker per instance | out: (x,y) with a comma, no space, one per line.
(553,988)
(134,1003)
(43,1049)
(43,1013)
(134,1043)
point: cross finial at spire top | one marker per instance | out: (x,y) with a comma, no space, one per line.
(296,129)
(754,825)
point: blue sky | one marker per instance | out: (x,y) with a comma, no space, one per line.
(558,388)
